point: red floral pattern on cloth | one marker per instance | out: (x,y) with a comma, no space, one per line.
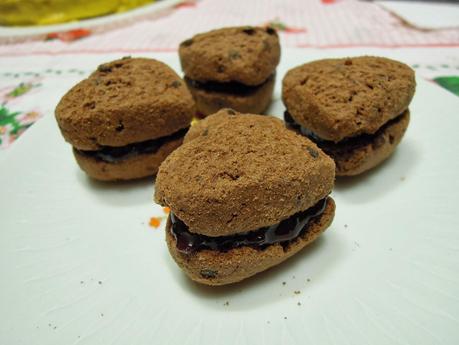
(69,36)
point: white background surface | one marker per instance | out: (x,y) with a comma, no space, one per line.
(80,265)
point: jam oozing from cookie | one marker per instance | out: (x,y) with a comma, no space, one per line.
(112,154)
(337,148)
(231,87)
(282,233)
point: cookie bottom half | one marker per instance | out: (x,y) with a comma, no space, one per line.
(216,267)
(356,155)
(130,162)
(211,97)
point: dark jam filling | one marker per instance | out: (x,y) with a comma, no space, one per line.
(331,147)
(112,154)
(282,233)
(231,87)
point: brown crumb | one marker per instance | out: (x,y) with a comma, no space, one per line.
(226,303)
(296,292)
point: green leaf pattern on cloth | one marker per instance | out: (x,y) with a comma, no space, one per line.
(450,83)
(14,122)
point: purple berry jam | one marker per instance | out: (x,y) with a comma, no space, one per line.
(282,233)
(112,154)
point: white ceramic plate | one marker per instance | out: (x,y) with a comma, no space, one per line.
(80,265)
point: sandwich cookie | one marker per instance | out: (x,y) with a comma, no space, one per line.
(231,67)
(354,109)
(125,118)
(245,194)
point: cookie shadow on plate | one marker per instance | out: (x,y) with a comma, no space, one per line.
(291,278)
(120,193)
(380,180)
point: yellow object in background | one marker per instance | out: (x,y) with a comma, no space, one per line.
(43,12)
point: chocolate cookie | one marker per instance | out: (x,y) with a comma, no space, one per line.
(243,186)
(125,118)
(231,67)
(349,107)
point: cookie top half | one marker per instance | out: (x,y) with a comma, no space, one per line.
(248,55)
(341,98)
(237,173)
(125,101)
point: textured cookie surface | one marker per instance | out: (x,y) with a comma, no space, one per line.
(123,102)
(240,172)
(141,165)
(248,55)
(340,98)
(351,160)
(256,102)
(218,268)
